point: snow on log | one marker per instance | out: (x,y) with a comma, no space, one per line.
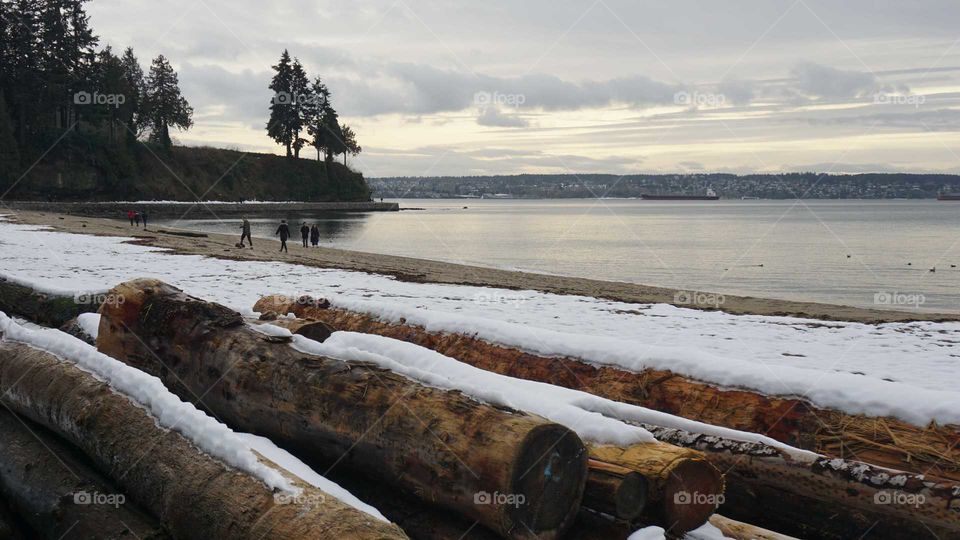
(887,441)
(194,495)
(54,489)
(516,473)
(42,307)
(809,498)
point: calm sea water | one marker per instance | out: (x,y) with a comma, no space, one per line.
(863,253)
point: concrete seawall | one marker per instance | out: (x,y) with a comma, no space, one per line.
(198,210)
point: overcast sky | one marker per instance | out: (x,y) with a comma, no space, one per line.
(458,87)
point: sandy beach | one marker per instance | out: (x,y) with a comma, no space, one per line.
(426,271)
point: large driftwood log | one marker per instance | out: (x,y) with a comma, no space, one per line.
(518,474)
(887,441)
(811,498)
(43,308)
(57,492)
(744,531)
(194,495)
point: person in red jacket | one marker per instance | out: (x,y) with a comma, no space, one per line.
(130,214)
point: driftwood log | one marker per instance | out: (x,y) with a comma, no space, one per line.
(54,489)
(194,495)
(887,441)
(764,486)
(518,474)
(616,491)
(43,308)
(744,531)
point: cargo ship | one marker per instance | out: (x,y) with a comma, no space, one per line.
(948,197)
(710,196)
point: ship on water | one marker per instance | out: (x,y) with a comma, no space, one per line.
(948,196)
(710,196)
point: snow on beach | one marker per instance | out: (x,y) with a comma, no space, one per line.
(908,370)
(208,434)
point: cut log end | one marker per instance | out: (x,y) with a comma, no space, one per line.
(548,480)
(615,491)
(694,489)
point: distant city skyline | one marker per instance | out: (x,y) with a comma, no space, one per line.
(460,88)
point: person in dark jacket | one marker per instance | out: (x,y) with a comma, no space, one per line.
(245,233)
(136,218)
(143,216)
(314,235)
(304,233)
(284,233)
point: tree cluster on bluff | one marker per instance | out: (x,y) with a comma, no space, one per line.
(299,107)
(55,83)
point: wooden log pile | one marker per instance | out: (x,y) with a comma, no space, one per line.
(889,442)
(441,446)
(193,495)
(823,496)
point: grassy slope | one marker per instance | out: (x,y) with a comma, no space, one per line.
(82,169)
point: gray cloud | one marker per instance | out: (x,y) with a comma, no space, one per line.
(491,116)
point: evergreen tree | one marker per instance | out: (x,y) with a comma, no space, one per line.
(334,134)
(9,155)
(281,113)
(300,89)
(317,107)
(110,80)
(350,142)
(165,107)
(131,113)
(24,88)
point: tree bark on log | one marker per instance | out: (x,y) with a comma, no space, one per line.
(42,308)
(615,490)
(810,500)
(194,495)
(516,473)
(53,488)
(744,531)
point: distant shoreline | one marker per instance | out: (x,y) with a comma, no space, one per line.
(430,271)
(179,210)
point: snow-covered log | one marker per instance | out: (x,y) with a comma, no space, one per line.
(194,495)
(54,489)
(890,442)
(40,307)
(516,473)
(812,499)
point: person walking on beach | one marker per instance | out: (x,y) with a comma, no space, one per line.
(314,235)
(130,214)
(284,233)
(143,216)
(245,233)
(304,233)
(136,218)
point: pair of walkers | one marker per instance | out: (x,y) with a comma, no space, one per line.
(307,234)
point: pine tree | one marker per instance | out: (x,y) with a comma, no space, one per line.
(9,155)
(334,134)
(132,113)
(350,142)
(300,89)
(317,107)
(281,113)
(24,92)
(110,80)
(165,107)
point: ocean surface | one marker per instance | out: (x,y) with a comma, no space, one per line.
(862,253)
